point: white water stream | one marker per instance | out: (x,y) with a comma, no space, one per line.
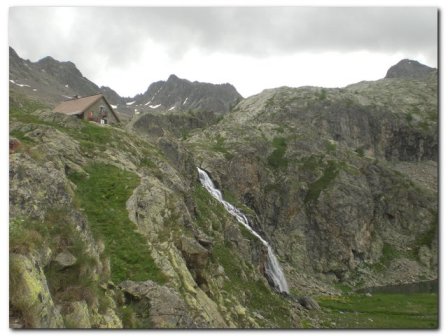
(273,269)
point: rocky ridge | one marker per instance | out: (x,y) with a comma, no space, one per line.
(51,81)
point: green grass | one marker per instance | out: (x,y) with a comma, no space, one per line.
(360,151)
(218,145)
(315,188)
(402,311)
(322,95)
(210,216)
(258,297)
(22,137)
(75,283)
(21,107)
(276,159)
(330,146)
(103,197)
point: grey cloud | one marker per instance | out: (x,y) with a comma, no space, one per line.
(117,35)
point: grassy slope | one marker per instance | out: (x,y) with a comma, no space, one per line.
(103,197)
(381,310)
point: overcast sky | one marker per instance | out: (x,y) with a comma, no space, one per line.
(252,48)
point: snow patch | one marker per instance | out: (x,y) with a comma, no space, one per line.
(66,85)
(18,84)
(154,106)
(130,103)
(171,108)
(34,90)
(113,106)
(185,101)
(155,94)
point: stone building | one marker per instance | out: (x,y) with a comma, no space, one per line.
(93,108)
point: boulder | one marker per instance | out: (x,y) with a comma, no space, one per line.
(65,259)
(195,254)
(14,145)
(77,316)
(29,294)
(308,303)
(164,307)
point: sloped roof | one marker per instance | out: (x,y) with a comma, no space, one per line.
(76,106)
(80,105)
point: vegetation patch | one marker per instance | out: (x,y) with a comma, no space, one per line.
(210,214)
(103,197)
(74,283)
(258,297)
(360,151)
(322,95)
(381,310)
(330,173)
(330,146)
(219,146)
(277,160)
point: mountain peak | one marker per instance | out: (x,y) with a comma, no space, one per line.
(173,77)
(409,69)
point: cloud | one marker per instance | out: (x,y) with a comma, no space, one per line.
(101,38)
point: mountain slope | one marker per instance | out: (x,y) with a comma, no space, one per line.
(110,227)
(342,181)
(51,81)
(109,230)
(182,95)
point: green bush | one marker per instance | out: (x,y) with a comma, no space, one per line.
(330,173)
(360,151)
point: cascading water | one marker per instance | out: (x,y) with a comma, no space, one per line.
(273,269)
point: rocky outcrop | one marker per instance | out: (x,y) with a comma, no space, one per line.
(409,69)
(77,315)
(161,306)
(30,296)
(65,259)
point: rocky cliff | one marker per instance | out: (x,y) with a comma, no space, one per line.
(342,182)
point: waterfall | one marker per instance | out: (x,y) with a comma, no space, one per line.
(273,269)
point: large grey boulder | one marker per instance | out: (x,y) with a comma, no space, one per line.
(163,307)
